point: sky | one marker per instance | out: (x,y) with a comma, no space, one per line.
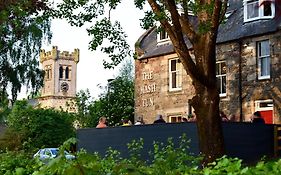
(90,71)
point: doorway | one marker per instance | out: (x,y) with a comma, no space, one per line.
(266,109)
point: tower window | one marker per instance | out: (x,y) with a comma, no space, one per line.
(66,73)
(48,72)
(61,72)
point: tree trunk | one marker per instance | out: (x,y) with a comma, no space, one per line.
(205,104)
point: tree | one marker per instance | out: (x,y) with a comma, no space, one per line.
(173,16)
(4,106)
(116,102)
(30,128)
(23,26)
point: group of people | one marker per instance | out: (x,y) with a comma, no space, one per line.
(125,122)
(256,118)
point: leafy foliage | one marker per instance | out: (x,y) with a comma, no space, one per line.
(18,163)
(4,106)
(23,26)
(116,102)
(36,128)
(167,159)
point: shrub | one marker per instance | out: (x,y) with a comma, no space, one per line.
(36,128)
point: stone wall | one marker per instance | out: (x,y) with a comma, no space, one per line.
(58,103)
(253,89)
(152,74)
(152,90)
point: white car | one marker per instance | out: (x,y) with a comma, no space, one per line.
(51,153)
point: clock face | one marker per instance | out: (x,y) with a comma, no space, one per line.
(64,86)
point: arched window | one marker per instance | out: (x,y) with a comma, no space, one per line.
(61,72)
(66,73)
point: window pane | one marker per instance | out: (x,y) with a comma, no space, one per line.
(223,68)
(61,72)
(163,35)
(217,69)
(173,65)
(264,66)
(66,73)
(264,48)
(223,90)
(267,8)
(178,80)
(174,80)
(252,10)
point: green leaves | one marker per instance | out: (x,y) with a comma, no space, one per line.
(36,128)
(113,35)
(115,103)
(22,30)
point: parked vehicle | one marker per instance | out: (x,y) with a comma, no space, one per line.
(51,153)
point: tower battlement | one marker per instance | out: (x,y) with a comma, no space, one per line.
(57,54)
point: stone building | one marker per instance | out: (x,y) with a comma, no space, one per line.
(60,78)
(248,67)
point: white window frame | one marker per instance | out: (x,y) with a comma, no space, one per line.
(259,108)
(178,72)
(219,78)
(260,10)
(160,40)
(178,118)
(48,72)
(260,57)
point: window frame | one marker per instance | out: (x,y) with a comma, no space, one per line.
(218,77)
(67,73)
(178,118)
(48,72)
(165,40)
(246,3)
(178,73)
(259,62)
(61,70)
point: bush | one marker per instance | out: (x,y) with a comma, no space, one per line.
(18,163)
(166,159)
(36,128)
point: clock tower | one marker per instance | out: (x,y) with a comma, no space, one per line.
(60,78)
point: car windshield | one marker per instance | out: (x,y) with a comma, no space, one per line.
(54,151)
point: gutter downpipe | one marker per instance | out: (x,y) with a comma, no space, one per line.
(240,80)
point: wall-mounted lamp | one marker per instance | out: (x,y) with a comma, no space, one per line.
(144,60)
(246,44)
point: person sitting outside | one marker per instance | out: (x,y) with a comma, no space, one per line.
(159,119)
(139,121)
(126,122)
(223,117)
(184,119)
(102,123)
(256,117)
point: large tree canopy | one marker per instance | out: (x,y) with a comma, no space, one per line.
(198,20)
(23,27)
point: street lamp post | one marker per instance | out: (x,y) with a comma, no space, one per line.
(109,81)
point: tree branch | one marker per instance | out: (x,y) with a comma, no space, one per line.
(224,8)
(185,23)
(164,22)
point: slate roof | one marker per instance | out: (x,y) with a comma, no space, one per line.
(233,29)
